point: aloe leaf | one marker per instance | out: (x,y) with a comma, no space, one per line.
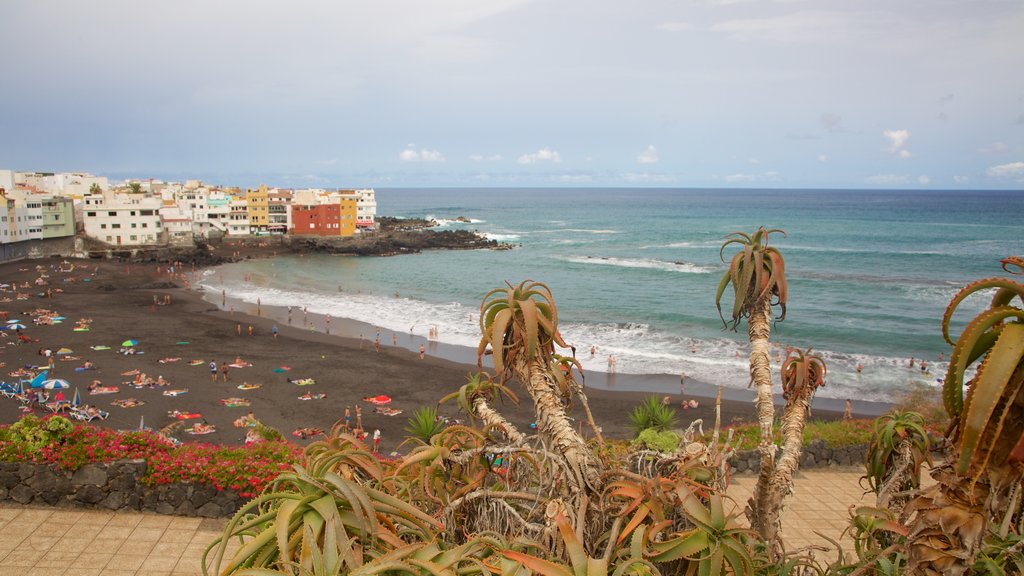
(990,383)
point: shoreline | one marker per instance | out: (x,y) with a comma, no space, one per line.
(118,299)
(634,385)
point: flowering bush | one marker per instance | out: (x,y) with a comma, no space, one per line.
(245,470)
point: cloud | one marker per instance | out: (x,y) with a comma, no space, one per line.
(897,142)
(830,122)
(822,158)
(543,155)
(482,158)
(1011,171)
(961,179)
(647,177)
(674,26)
(414,154)
(994,148)
(924,180)
(648,156)
(886,179)
(744,178)
(573,178)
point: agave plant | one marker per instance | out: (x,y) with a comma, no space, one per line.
(717,544)
(898,449)
(757,274)
(519,326)
(977,482)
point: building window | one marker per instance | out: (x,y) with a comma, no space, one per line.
(115,226)
(103,226)
(111,213)
(133,237)
(133,224)
(90,213)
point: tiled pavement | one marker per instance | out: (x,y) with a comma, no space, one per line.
(62,542)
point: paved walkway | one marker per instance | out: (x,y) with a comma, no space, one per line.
(62,542)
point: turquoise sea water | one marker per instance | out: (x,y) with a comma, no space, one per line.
(634,273)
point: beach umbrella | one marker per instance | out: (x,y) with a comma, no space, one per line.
(21,387)
(55,384)
(142,422)
(39,379)
(65,351)
(129,343)
(78,399)
(15,326)
(13,321)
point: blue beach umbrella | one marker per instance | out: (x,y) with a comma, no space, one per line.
(142,422)
(130,343)
(78,398)
(15,326)
(13,321)
(56,384)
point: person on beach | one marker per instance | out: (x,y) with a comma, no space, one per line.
(348,419)
(289,315)
(238,329)
(394,339)
(682,382)
(223,298)
(250,329)
(848,413)
(213,370)
(593,351)
(275,331)
(376,440)
(423,351)
(305,316)
(376,345)
(327,323)
(259,307)
(860,368)
(224,370)
(359,417)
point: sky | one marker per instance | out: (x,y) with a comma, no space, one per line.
(498,93)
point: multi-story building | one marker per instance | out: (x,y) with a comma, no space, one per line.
(279,203)
(258,207)
(366,206)
(238,217)
(176,223)
(334,216)
(123,219)
(22,217)
(58,216)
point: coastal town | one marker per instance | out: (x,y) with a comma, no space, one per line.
(55,208)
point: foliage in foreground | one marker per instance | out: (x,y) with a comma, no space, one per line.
(55,440)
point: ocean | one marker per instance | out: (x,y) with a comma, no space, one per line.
(634,273)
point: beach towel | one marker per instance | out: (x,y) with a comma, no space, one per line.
(183,415)
(104,390)
(307,396)
(247,386)
(379,400)
(234,402)
(197,362)
(100,347)
(128,403)
(81,329)
(280,369)
(200,429)
(175,392)
(387,411)
(304,382)
(306,432)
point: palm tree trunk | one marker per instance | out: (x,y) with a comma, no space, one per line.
(758,329)
(492,419)
(553,423)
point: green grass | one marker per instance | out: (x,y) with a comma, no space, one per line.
(835,433)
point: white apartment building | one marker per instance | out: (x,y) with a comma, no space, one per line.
(123,219)
(238,218)
(366,207)
(21,218)
(279,211)
(176,224)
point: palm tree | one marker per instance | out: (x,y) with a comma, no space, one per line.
(980,481)
(758,277)
(520,327)
(95,189)
(135,187)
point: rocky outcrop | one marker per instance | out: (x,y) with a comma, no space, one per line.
(394,242)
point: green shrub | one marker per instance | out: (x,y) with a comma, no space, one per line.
(662,441)
(424,424)
(652,413)
(835,433)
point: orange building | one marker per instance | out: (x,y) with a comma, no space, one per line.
(333,219)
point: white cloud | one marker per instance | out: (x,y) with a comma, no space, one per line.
(1011,171)
(648,156)
(961,179)
(482,158)
(647,177)
(924,180)
(994,148)
(897,142)
(573,178)
(414,154)
(543,155)
(742,178)
(886,179)
(674,26)
(822,158)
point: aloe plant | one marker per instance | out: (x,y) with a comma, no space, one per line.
(979,482)
(474,399)
(519,326)
(899,448)
(424,424)
(652,413)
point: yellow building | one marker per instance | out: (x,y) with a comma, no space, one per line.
(258,207)
(347,217)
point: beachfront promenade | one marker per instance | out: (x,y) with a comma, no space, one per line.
(55,542)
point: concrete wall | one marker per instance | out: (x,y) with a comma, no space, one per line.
(37,249)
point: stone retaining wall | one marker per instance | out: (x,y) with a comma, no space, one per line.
(114,486)
(815,454)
